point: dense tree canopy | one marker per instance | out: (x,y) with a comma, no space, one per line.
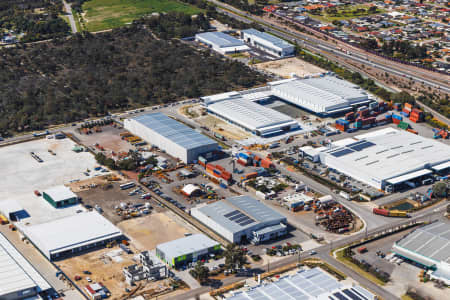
(90,75)
(36,19)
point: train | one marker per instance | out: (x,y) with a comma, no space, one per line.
(391,213)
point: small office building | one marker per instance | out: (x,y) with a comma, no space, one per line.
(268,43)
(60,196)
(188,249)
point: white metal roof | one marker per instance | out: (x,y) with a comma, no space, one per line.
(339,87)
(305,285)
(60,193)
(220,39)
(440,167)
(16,273)
(269,39)
(70,232)
(409,176)
(251,115)
(190,188)
(385,154)
(9,206)
(186,245)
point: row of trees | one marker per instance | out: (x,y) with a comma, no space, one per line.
(37,19)
(91,75)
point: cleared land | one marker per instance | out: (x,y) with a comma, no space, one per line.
(107,271)
(107,14)
(147,232)
(227,130)
(287,67)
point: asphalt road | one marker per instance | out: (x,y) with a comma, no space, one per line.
(318,45)
(323,252)
(70,15)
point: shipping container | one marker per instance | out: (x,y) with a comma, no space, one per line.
(219,167)
(251,175)
(210,167)
(382,212)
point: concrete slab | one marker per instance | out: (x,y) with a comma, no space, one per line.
(22,174)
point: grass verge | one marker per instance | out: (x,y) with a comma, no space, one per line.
(340,257)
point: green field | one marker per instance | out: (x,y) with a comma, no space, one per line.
(345,13)
(107,14)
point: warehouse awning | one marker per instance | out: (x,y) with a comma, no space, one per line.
(441,166)
(409,176)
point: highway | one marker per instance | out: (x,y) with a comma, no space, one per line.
(317,45)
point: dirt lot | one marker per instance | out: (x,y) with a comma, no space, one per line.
(286,67)
(147,232)
(228,131)
(109,138)
(105,270)
(108,198)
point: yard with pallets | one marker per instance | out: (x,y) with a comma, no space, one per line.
(106,14)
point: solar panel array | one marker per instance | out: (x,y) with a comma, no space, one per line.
(342,152)
(361,145)
(239,218)
(432,241)
(305,285)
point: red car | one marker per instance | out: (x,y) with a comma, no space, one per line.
(36,192)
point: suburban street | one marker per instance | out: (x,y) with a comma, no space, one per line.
(318,45)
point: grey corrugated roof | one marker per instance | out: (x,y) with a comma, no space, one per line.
(175,131)
(220,39)
(186,245)
(337,86)
(16,273)
(430,242)
(255,209)
(268,37)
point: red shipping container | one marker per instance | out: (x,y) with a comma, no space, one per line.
(219,167)
(201,163)
(241,162)
(226,175)
(395,121)
(209,171)
(210,167)
(382,212)
(265,163)
(251,175)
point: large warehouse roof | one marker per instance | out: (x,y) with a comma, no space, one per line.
(71,232)
(384,155)
(16,273)
(327,94)
(239,213)
(175,131)
(250,114)
(186,245)
(305,285)
(427,245)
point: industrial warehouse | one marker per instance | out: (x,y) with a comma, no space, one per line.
(249,115)
(191,248)
(306,284)
(385,159)
(75,234)
(268,43)
(171,136)
(323,96)
(221,42)
(18,279)
(429,246)
(242,219)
